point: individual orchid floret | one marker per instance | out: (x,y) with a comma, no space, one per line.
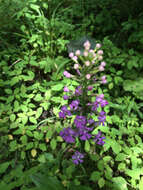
(67,74)
(88,76)
(77,158)
(98,45)
(77,53)
(71,54)
(66,89)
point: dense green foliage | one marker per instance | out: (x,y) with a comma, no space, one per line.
(34,36)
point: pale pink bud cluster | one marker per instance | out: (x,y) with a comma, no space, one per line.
(74,58)
(71,54)
(88,76)
(87,63)
(85,53)
(67,74)
(103,79)
(87,45)
(76,66)
(77,53)
(98,45)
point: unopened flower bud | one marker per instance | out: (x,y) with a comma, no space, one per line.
(67,74)
(71,54)
(103,63)
(85,53)
(100,52)
(98,45)
(88,76)
(100,58)
(87,63)
(90,88)
(101,68)
(76,66)
(74,58)
(87,45)
(65,97)
(77,52)
(103,79)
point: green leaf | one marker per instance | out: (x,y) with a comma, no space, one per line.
(4,166)
(42,147)
(24,139)
(57,87)
(39,112)
(38,98)
(120,183)
(115,147)
(87,146)
(120,157)
(12,117)
(53,144)
(95,176)
(101,182)
(32,120)
(24,119)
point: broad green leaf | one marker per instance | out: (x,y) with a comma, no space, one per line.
(39,112)
(121,157)
(53,144)
(87,146)
(42,147)
(38,98)
(57,87)
(4,166)
(120,183)
(95,176)
(101,182)
(12,117)
(33,120)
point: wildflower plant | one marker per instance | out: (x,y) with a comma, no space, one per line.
(84,106)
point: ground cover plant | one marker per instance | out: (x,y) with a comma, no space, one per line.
(71,108)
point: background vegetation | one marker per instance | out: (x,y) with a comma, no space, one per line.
(35,36)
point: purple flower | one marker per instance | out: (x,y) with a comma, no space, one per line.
(83,133)
(80,121)
(103,79)
(90,121)
(95,105)
(66,89)
(90,88)
(74,104)
(102,117)
(68,135)
(103,103)
(67,74)
(64,112)
(65,97)
(77,158)
(78,91)
(98,139)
